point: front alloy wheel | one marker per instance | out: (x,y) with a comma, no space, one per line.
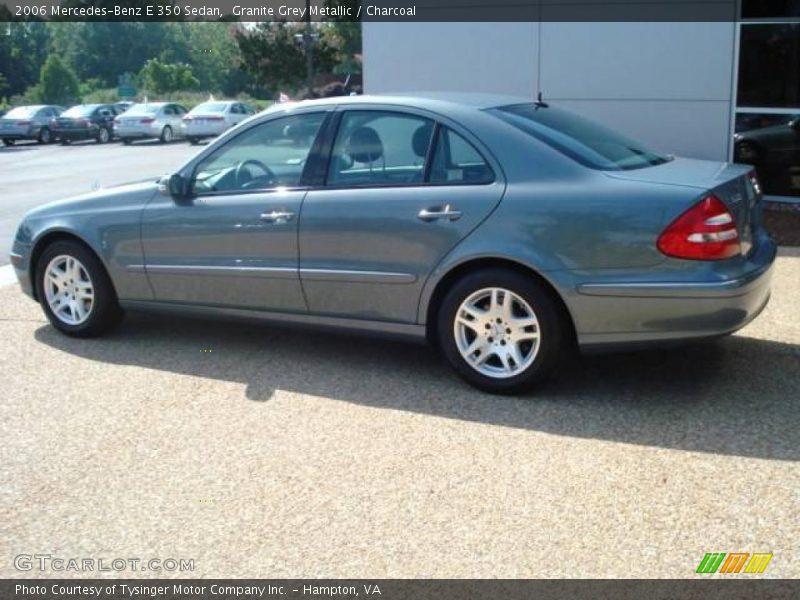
(75,291)
(502,330)
(68,290)
(103,136)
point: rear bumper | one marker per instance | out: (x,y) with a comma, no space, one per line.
(631,313)
(18,136)
(203,131)
(77,134)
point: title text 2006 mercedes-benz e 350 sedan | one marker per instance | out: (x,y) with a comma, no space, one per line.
(500,229)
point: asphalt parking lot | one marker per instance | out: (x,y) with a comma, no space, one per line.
(272,452)
(33,174)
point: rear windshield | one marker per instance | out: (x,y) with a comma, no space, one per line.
(143,109)
(582,140)
(22,111)
(80,111)
(209,107)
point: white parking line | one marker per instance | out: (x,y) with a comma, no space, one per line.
(7,276)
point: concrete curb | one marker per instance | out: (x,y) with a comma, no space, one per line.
(7,276)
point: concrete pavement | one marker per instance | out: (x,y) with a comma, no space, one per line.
(265,452)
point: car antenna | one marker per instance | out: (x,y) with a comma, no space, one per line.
(541,103)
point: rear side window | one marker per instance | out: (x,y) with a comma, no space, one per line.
(582,140)
(456,161)
(380,148)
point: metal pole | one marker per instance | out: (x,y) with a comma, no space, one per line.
(308,44)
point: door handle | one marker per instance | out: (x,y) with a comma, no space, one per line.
(436,213)
(277,216)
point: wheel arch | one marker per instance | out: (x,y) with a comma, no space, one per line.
(462,269)
(50,237)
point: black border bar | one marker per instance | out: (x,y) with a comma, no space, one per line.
(372,10)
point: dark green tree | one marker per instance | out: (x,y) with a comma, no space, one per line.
(57,83)
(273,56)
(160,77)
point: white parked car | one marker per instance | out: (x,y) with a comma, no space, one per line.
(213,118)
(160,120)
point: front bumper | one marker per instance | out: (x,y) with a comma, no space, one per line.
(20,257)
(612,314)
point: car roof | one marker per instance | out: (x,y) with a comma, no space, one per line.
(422,100)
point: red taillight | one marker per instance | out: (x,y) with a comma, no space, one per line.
(146,121)
(23,123)
(707,231)
(214,118)
(81,122)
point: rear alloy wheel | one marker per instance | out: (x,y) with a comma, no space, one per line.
(501,331)
(103,136)
(74,290)
(166,135)
(44,136)
(127,141)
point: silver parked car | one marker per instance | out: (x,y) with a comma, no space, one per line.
(28,123)
(159,120)
(210,119)
(500,229)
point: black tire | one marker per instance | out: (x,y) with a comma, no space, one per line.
(553,329)
(194,141)
(126,141)
(8,142)
(166,135)
(45,136)
(66,142)
(105,312)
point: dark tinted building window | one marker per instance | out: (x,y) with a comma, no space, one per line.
(770,9)
(769,65)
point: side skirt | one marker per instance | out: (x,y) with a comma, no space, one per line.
(383,329)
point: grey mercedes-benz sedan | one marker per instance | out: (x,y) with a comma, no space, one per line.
(502,230)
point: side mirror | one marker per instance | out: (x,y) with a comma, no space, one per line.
(175,185)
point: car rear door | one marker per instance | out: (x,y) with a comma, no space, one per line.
(233,243)
(395,200)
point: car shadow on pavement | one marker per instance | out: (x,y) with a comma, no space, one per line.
(737,396)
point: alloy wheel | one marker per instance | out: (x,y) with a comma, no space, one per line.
(497,333)
(69,290)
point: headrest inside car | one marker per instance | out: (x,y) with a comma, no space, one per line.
(364,145)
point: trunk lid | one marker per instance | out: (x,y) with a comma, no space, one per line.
(731,183)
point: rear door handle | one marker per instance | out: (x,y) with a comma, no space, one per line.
(436,213)
(277,216)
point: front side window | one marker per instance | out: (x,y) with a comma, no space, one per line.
(456,161)
(266,156)
(584,141)
(380,148)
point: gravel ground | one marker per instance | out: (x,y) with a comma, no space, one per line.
(269,452)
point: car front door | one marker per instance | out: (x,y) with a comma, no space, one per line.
(233,242)
(401,191)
